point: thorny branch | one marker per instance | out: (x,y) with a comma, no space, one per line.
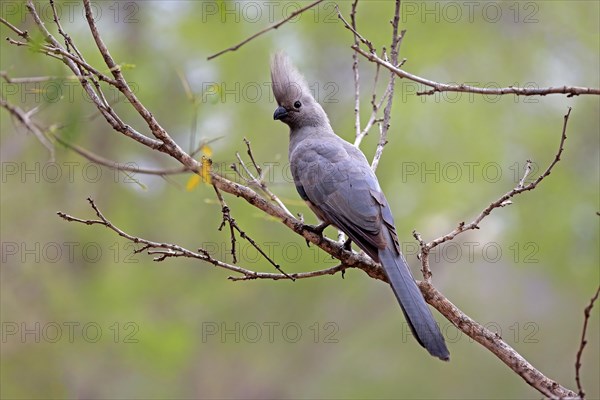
(162,142)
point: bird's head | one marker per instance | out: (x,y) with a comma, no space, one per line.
(297,107)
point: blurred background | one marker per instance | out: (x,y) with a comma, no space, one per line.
(84,317)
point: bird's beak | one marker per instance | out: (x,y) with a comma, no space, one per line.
(280,113)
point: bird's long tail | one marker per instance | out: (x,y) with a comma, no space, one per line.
(415,309)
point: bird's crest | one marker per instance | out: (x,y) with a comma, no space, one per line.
(288,84)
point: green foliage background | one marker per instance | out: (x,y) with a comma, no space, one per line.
(353,341)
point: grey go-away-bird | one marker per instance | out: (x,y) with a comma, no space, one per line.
(337,183)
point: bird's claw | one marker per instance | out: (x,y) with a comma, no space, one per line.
(316,229)
(347,245)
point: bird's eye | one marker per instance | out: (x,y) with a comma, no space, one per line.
(297,104)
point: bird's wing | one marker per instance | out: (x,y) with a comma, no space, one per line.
(336,178)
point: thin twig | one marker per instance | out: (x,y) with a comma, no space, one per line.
(583,342)
(257,181)
(16,42)
(359,135)
(23,34)
(442,87)
(233,226)
(251,155)
(355,70)
(387,111)
(352,28)
(423,256)
(24,118)
(106,111)
(375,107)
(525,174)
(257,34)
(505,199)
(164,249)
(166,143)
(295,275)
(68,42)
(227,219)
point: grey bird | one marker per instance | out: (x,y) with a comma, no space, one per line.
(336,181)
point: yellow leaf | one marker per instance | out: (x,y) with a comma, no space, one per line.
(202,175)
(192,182)
(206,150)
(205,170)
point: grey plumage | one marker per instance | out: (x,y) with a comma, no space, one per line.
(336,181)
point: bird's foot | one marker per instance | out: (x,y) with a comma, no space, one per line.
(348,245)
(317,229)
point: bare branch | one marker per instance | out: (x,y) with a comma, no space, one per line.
(257,34)
(259,181)
(251,155)
(355,70)
(488,339)
(100,103)
(375,107)
(168,144)
(233,226)
(387,111)
(296,275)
(442,87)
(227,219)
(23,34)
(352,28)
(24,118)
(68,42)
(505,199)
(423,256)
(164,249)
(583,342)
(521,184)
(16,42)
(359,135)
